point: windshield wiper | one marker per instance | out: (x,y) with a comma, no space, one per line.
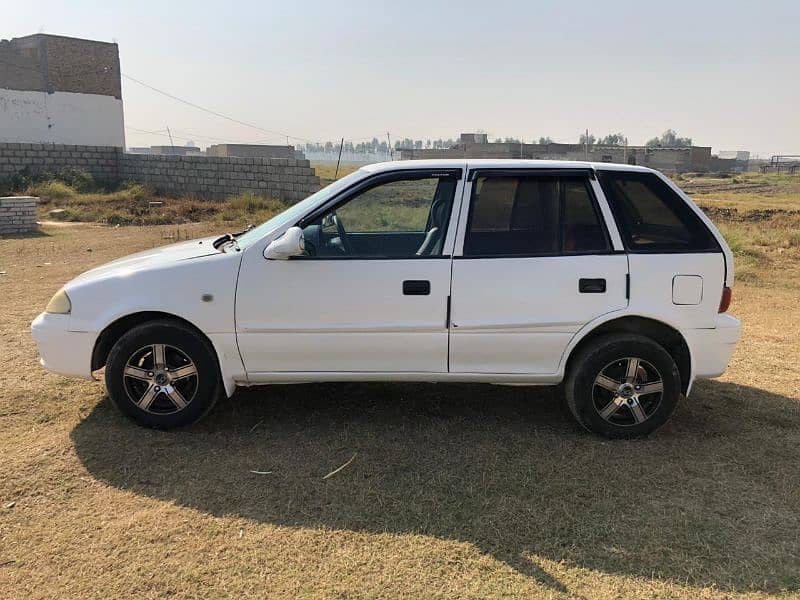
(222,240)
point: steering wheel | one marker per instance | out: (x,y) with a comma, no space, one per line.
(342,233)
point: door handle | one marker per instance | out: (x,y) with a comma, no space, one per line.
(592,286)
(416,287)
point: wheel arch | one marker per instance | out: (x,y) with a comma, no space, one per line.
(117,328)
(667,336)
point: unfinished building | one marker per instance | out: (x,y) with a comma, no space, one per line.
(673,160)
(60,90)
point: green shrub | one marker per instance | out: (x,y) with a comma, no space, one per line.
(77,179)
(52,190)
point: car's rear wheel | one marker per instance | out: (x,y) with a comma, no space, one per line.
(622,385)
(163,374)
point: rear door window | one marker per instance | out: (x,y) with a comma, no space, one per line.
(652,217)
(533,216)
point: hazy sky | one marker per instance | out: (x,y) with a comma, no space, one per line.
(726,73)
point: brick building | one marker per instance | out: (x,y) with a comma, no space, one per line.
(60,90)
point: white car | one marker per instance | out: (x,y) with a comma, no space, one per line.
(603,277)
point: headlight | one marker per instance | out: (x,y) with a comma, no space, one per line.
(60,304)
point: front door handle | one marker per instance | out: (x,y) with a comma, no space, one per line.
(416,287)
(592,286)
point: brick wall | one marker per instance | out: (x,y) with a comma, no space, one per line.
(218,177)
(17,215)
(101,161)
(206,177)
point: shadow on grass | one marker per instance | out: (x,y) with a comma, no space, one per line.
(34,233)
(710,500)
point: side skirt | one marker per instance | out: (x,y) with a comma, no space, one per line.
(421,377)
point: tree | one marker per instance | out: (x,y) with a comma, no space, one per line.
(613,139)
(590,140)
(545,140)
(669,139)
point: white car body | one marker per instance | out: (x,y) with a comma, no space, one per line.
(512,320)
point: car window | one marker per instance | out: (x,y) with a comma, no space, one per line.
(394,206)
(398,218)
(651,216)
(533,215)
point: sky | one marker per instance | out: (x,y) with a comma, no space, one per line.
(725,73)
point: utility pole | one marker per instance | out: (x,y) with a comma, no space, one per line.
(586,144)
(171,143)
(341,145)
(389,140)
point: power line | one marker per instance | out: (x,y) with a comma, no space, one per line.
(214,112)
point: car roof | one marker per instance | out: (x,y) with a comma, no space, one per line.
(498,163)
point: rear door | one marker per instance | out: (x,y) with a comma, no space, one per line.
(534,263)
(678,269)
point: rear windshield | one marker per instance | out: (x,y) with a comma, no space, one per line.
(652,217)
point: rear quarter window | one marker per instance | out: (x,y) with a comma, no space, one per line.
(653,218)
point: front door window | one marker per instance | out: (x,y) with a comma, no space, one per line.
(401,218)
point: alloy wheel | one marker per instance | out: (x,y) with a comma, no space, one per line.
(627,391)
(160,379)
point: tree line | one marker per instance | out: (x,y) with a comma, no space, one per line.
(668,139)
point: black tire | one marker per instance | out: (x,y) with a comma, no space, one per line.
(622,414)
(159,406)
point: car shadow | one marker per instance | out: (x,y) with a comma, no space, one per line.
(709,500)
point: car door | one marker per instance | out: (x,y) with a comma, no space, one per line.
(371,293)
(534,263)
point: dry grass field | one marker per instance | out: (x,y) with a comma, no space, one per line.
(455,490)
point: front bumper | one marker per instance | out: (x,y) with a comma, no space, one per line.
(711,349)
(62,351)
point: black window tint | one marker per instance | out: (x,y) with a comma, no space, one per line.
(652,217)
(533,216)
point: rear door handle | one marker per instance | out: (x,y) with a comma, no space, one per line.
(592,286)
(416,287)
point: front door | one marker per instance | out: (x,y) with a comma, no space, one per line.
(371,293)
(537,265)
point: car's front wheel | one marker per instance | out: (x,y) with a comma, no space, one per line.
(622,385)
(163,374)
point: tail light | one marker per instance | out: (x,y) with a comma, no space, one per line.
(725,301)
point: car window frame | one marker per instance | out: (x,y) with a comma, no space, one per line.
(620,221)
(376,179)
(586,175)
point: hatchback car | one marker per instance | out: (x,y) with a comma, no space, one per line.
(604,278)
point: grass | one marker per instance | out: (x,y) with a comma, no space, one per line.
(326,171)
(455,490)
(135,204)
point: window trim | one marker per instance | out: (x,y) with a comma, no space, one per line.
(584,175)
(374,180)
(625,235)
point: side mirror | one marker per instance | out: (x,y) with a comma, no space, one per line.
(291,243)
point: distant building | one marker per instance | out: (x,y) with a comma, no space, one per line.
(690,159)
(61,90)
(176,150)
(254,151)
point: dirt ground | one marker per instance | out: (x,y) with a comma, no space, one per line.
(455,490)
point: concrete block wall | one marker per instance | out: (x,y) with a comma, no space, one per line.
(207,177)
(101,161)
(219,177)
(18,215)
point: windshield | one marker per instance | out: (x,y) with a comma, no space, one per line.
(295,212)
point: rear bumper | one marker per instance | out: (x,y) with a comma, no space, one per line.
(62,351)
(711,349)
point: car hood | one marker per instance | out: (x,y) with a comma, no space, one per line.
(150,259)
